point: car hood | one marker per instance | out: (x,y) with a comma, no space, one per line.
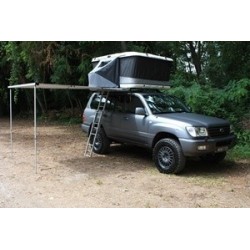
(193,119)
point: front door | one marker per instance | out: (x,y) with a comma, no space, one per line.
(134,126)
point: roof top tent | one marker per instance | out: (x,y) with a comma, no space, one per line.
(130,70)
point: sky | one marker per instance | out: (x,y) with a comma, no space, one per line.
(130,20)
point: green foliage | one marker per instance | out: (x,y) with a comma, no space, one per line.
(83,69)
(4,69)
(238,91)
(240,152)
(244,137)
(235,60)
(230,103)
(62,70)
(201,99)
(211,77)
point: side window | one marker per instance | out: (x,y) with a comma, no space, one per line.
(118,101)
(95,102)
(132,102)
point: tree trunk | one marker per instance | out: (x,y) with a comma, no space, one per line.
(196,56)
(45,100)
(71,103)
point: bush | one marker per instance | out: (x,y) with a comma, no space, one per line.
(230,103)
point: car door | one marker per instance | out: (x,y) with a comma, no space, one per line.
(113,115)
(134,126)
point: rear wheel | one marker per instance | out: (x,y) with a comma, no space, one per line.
(102,142)
(168,156)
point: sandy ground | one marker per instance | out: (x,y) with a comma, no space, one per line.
(124,178)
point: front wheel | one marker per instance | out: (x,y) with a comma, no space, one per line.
(168,156)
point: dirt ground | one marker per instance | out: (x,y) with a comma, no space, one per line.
(124,178)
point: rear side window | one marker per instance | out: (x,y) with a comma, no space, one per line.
(118,101)
(96,99)
(95,102)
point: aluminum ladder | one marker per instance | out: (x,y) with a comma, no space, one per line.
(96,124)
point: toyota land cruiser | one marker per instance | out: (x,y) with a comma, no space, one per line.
(162,123)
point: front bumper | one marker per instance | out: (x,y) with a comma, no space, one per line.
(192,147)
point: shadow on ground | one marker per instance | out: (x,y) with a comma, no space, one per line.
(123,158)
(224,168)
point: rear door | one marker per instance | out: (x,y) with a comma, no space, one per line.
(112,116)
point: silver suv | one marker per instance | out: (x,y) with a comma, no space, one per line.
(151,119)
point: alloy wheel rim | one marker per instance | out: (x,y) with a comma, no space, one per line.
(165,157)
(98,142)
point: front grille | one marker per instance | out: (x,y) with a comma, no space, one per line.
(219,131)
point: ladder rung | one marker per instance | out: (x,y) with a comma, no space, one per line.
(96,124)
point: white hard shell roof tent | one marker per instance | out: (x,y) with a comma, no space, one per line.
(130,70)
(115,72)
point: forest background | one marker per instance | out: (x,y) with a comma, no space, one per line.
(212,78)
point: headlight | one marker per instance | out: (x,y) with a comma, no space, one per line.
(197,131)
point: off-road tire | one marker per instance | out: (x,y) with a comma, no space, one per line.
(168,156)
(102,143)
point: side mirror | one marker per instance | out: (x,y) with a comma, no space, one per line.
(140,111)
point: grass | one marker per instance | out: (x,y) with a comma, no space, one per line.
(99,182)
(61,120)
(240,152)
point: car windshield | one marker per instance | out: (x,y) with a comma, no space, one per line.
(160,103)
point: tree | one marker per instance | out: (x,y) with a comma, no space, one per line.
(196,63)
(5,69)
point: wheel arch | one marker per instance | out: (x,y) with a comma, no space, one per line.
(162,135)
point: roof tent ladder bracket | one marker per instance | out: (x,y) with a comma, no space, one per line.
(96,124)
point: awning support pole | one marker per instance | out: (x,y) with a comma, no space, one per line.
(35,129)
(11,136)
